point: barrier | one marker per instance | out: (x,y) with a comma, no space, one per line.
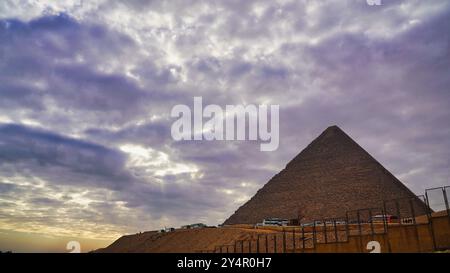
(402,225)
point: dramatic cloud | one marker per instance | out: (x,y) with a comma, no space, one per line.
(86,89)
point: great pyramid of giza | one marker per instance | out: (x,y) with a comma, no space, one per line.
(332,175)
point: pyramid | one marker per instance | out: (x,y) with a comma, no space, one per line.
(331,176)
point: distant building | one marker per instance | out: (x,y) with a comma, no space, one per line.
(164,230)
(192,226)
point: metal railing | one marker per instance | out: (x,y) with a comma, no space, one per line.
(367,221)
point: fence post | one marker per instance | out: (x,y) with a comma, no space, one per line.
(398,212)
(336,239)
(257,243)
(267,244)
(416,230)
(430,220)
(385,225)
(284,241)
(371,223)
(314,232)
(413,212)
(303,239)
(293,239)
(358,217)
(275,243)
(444,191)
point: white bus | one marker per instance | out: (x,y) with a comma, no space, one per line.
(275,222)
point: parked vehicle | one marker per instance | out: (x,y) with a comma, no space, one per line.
(384,218)
(165,230)
(275,222)
(318,223)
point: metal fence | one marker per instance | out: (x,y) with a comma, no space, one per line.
(404,211)
(437,198)
(366,221)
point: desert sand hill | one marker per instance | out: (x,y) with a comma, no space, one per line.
(185,241)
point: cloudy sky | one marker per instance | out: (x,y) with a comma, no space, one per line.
(86,90)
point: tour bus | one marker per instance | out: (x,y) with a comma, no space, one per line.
(275,222)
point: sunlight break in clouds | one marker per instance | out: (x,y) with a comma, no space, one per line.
(146,161)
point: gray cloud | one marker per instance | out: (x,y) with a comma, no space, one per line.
(6,187)
(47,152)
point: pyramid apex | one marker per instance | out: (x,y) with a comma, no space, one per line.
(331,131)
(333,127)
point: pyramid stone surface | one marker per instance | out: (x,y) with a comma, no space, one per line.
(332,175)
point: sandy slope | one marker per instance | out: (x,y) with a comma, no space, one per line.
(191,240)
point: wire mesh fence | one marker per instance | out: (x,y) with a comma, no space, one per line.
(438,198)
